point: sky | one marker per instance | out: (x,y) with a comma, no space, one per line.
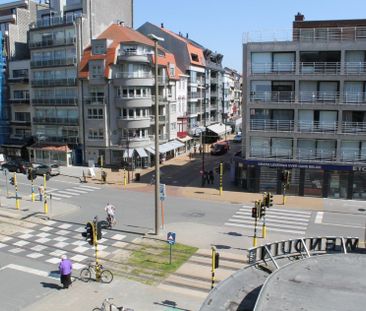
(219,25)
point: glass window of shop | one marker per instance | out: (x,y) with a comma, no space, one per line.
(359,186)
(313,184)
(293,187)
(268,179)
(338,185)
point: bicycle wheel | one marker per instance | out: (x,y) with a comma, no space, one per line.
(85,275)
(106,276)
(97,309)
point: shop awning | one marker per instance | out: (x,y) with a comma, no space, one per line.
(169,146)
(150,150)
(128,153)
(141,152)
(177,144)
(219,128)
(185,139)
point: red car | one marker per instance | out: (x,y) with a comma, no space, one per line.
(220,147)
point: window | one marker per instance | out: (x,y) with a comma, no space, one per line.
(96,134)
(20,73)
(172,70)
(194,57)
(95,113)
(173,126)
(22,116)
(21,94)
(96,69)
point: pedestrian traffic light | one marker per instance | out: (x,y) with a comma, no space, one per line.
(285,177)
(31,175)
(254,212)
(270,200)
(217,258)
(12,181)
(265,198)
(262,211)
(89,234)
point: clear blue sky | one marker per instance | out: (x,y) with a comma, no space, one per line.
(219,24)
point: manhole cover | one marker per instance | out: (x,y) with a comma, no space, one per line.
(361,209)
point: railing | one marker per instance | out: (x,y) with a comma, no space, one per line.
(55,101)
(354,98)
(352,155)
(320,68)
(133,53)
(193,110)
(273,68)
(277,97)
(95,100)
(353,127)
(54,21)
(161,137)
(317,154)
(133,75)
(19,101)
(53,62)
(319,97)
(126,139)
(23,79)
(272,125)
(272,153)
(357,33)
(61,139)
(354,68)
(162,119)
(194,96)
(54,82)
(162,99)
(63,121)
(317,126)
(163,80)
(51,42)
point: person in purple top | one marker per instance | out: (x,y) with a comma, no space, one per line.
(65,268)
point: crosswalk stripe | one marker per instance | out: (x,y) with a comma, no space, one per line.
(270,220)
(84,189)
(280,225)
(67,192)
(270,212)
(277,217)
(268,229)
(54,194)
(78,191)
(278,210)
(55,198)
(90,187)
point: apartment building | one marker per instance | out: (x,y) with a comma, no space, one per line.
(56,41)
(205,76)
(118,96)
(304,110)
(15,18)
(232,99)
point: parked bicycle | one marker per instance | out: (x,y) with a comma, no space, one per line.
(107,305)
(106,276)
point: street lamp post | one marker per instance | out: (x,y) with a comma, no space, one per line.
(157,154)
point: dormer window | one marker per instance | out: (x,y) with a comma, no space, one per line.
(98,47)
(172,70)
(194,57)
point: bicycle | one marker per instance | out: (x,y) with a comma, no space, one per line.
(106,276)
(109,306)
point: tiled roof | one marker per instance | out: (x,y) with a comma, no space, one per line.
(50,147)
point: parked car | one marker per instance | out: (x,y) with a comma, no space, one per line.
(49,170)
(237,138)
(220,147)
(16,166)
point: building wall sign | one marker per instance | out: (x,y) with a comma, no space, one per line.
(304,246)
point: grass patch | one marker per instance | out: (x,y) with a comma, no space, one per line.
(153,260)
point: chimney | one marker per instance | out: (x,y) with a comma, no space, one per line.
(122,23)
(187,35)
(299,17)
(162,25)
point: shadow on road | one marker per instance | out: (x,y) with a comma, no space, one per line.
(51,285)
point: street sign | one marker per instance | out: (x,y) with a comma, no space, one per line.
(171,238)
(162,192)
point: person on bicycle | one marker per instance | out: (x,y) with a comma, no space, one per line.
(111,211)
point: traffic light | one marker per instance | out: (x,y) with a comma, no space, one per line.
(262,211)
(12,181)
(89,233)
(270,200)
(285,177)
(254,212)
(217,258)
(265,198)
(101,225)
(31,174)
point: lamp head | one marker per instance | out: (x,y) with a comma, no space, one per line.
(155,38)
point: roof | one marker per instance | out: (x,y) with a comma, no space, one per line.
(50,147)
(219,128)
(116,34)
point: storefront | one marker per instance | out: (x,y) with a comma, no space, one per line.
(48,154)
(316,180)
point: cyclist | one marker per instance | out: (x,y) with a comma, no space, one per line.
(110,210)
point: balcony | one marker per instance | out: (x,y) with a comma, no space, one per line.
(354,68)
(273,68)
(134,102)
(353,127)
(53,62)
(64,101)
(162,119)
(320,68)
(54,82)
(271,153)
(20,122)
(99,100)
(54,21)
(19,101)
(272,125)
(317,126)
(60,139)
(274,97)
(20,80)
(133,123)
(56,121)
(51,43)
(163,99)
(134,141)
(352,155)
(194,96)
(353,98)
(133,79)
(319,97)
(134,56)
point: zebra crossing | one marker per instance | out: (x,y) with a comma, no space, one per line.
(277,219)
(71,191)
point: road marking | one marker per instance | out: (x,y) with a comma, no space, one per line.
(84,189)
(61,195)
(270,221)
(45,274)
(90,187)
(67,192)
(342,225)
(319,217)
(284,210)
(279,225)
(269,215)
(268,229)
(79,191)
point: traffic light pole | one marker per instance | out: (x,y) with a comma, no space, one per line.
(32,181)
(95,241)
(284,194)
(213,256)
(255,232)
(17,203)
(45,204)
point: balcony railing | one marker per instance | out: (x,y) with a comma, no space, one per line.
(316,155)
(54,21)
(353,127)
(162,119)
(60,139)
(352,155)
(273,68)
(24,79)
(54,82)
(354,98)
(20,101)
(133,75)
(276,97)
(62,121)
(272,125)
(271,153)
(326,155)
(317,126)
(95,100)
(304,97)
(194,96)
(320,68)
(53,62)
(131,139)
(51,42)
(64,101)
(319,97)
(355,68)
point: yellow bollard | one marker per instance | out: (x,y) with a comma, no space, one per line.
(33,196)
(124,177)
(221,173)
(17,201)
(264,231)
(45,204)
